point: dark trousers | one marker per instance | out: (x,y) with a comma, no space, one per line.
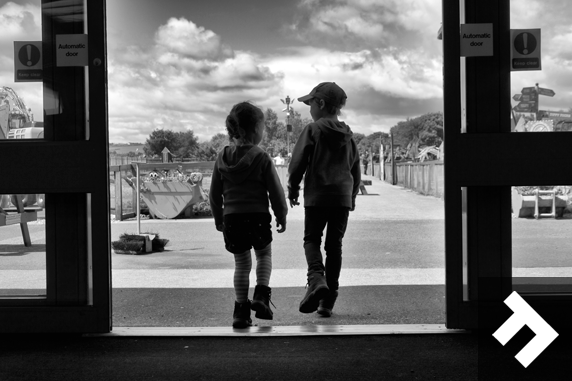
(316,219)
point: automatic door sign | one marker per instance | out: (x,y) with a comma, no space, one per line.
(71,50)
(476,40)
(27,61)
(525,49)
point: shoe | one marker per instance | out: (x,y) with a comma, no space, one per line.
(327,304)
(317,289)
(241,315)
(260,302)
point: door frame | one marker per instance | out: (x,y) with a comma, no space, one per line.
(484,159)
(75,149)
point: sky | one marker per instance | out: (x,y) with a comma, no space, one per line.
(182,65)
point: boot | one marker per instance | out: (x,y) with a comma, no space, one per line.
(260,302)
(317,289)
(327,304)
(241,315)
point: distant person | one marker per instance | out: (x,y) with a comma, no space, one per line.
(243,180)
(328,156)
(278,160)
(365,162)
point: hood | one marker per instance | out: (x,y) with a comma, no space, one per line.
(236,163)
(337,133)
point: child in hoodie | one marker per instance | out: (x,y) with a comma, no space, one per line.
(244,177)
(327,153)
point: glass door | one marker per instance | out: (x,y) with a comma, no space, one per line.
(488,161)
(54,221)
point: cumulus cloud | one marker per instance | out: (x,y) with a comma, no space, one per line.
(185,39)
(19,21)
(187,79)
(358,24)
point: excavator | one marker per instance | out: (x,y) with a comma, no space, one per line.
(17,122)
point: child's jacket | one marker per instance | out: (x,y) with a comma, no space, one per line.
(327,153)
(243,179)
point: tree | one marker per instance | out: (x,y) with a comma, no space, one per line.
(358,137)
(186,142)
(275,135)
(412,134)
(219,141)
(372,142)
(179,143)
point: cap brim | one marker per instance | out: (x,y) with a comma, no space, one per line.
(305,98)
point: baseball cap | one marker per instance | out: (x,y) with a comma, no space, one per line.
(329,92)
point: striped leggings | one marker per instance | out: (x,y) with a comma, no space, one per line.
(242,267)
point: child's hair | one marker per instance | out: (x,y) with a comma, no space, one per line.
(244,115)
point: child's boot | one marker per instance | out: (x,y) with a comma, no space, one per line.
(327,304)
(241,315)
(317,289)
(260,302)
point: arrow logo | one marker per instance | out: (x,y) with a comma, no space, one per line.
(523,315)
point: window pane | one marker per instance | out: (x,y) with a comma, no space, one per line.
(22,245)
(542,96)
(541,237)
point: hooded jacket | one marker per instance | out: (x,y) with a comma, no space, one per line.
(328,154)
(243,179)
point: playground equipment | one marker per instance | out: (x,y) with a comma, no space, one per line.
(20,216)
(530,201)
(168,189)
(17,120)
(169,193)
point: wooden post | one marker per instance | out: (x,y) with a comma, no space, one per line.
(118,195)
(23,224)
(392,162)
(138,211)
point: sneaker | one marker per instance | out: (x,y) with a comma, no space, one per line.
(317,289)
(327,304)
(260,302)
(241,315)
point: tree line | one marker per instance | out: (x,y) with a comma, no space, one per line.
(409,136)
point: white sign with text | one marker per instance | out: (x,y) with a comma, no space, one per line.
(476,40)
(71,50)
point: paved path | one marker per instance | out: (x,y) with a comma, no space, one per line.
(393,271)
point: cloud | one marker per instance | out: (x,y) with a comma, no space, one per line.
(188,79)
(185,39)
(358,24)
(19,21)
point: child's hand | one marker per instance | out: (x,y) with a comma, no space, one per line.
(293,195)
(220,227)
(293,202)
(281,226)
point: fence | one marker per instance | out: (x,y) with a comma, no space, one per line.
(124,159)
(426,178)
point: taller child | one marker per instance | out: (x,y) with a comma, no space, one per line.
(244,177)
(327,154)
